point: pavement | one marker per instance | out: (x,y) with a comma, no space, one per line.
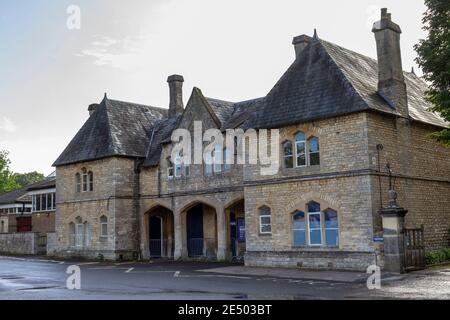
(33,278)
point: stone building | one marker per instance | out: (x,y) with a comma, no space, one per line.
(341,117)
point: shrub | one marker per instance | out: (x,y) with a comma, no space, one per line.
(437,256)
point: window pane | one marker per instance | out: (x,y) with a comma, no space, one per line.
(314,159)
(313,207)
(332,237)
(315,237)
(44,202)
(299,220)
(300,136)
(288,149)
(265,220)
(264,211)
(104,229)
(84,182)
(301,160)
(289,162)
(314,145)
(299,237)
(266,228)
(331,219)
(314,221)
(54,200)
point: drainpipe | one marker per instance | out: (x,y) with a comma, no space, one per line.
(137,204)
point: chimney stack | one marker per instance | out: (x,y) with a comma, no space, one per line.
(92,108)
(176,95)
(300,43)
(391,82)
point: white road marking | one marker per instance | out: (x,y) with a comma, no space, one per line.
(129,270)
(86,263)
(177,274)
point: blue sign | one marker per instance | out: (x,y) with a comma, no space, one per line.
(241,229)
(378,239)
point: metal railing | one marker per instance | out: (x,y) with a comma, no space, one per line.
(202,247)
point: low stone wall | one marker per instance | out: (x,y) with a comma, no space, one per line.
(51,243)
(327,260)
(19,243)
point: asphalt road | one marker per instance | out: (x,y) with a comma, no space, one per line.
(46,280)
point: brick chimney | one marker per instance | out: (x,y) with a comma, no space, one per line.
(300,43)
(176,95)
(391,82)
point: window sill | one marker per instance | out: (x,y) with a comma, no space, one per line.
(265,234)
(315,248)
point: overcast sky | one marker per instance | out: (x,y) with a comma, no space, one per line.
(231,49)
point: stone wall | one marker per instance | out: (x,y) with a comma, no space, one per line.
(114,181)
(19,243)
(43,222)
(423,184)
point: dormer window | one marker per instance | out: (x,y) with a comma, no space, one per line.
(306,151)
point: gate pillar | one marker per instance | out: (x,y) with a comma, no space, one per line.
(393,219)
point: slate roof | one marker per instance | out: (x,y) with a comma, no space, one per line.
(325,81)
(13,196)
(47,184)
(116,128)
(161,132)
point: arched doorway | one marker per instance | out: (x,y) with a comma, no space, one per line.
(156,240)
(159,225)
(201,231)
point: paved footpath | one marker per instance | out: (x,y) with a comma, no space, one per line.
(39,279)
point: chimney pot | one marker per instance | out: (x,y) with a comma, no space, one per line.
(176,105)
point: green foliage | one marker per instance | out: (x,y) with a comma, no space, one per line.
(434,59)
(10,181)
(24,179)
(7,181)
(438,256)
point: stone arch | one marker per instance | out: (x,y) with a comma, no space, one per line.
(326,201)
(193,201)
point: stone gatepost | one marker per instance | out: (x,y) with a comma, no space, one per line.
(393,218)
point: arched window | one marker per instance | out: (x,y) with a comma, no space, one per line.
(299,228)
(90,181)
(79,232)
(300,149)
(315,224)
(72,235)
(265,220)
(288,155)
(331,228)
(209,161)
(84,180)
(78,182)
(218,158)
(103,226)
(178,166)
(87,234)
(170,170)
(314,154)
(227,160)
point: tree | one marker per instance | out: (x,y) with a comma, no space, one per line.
(434,59)
(7,180)
(24,179)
